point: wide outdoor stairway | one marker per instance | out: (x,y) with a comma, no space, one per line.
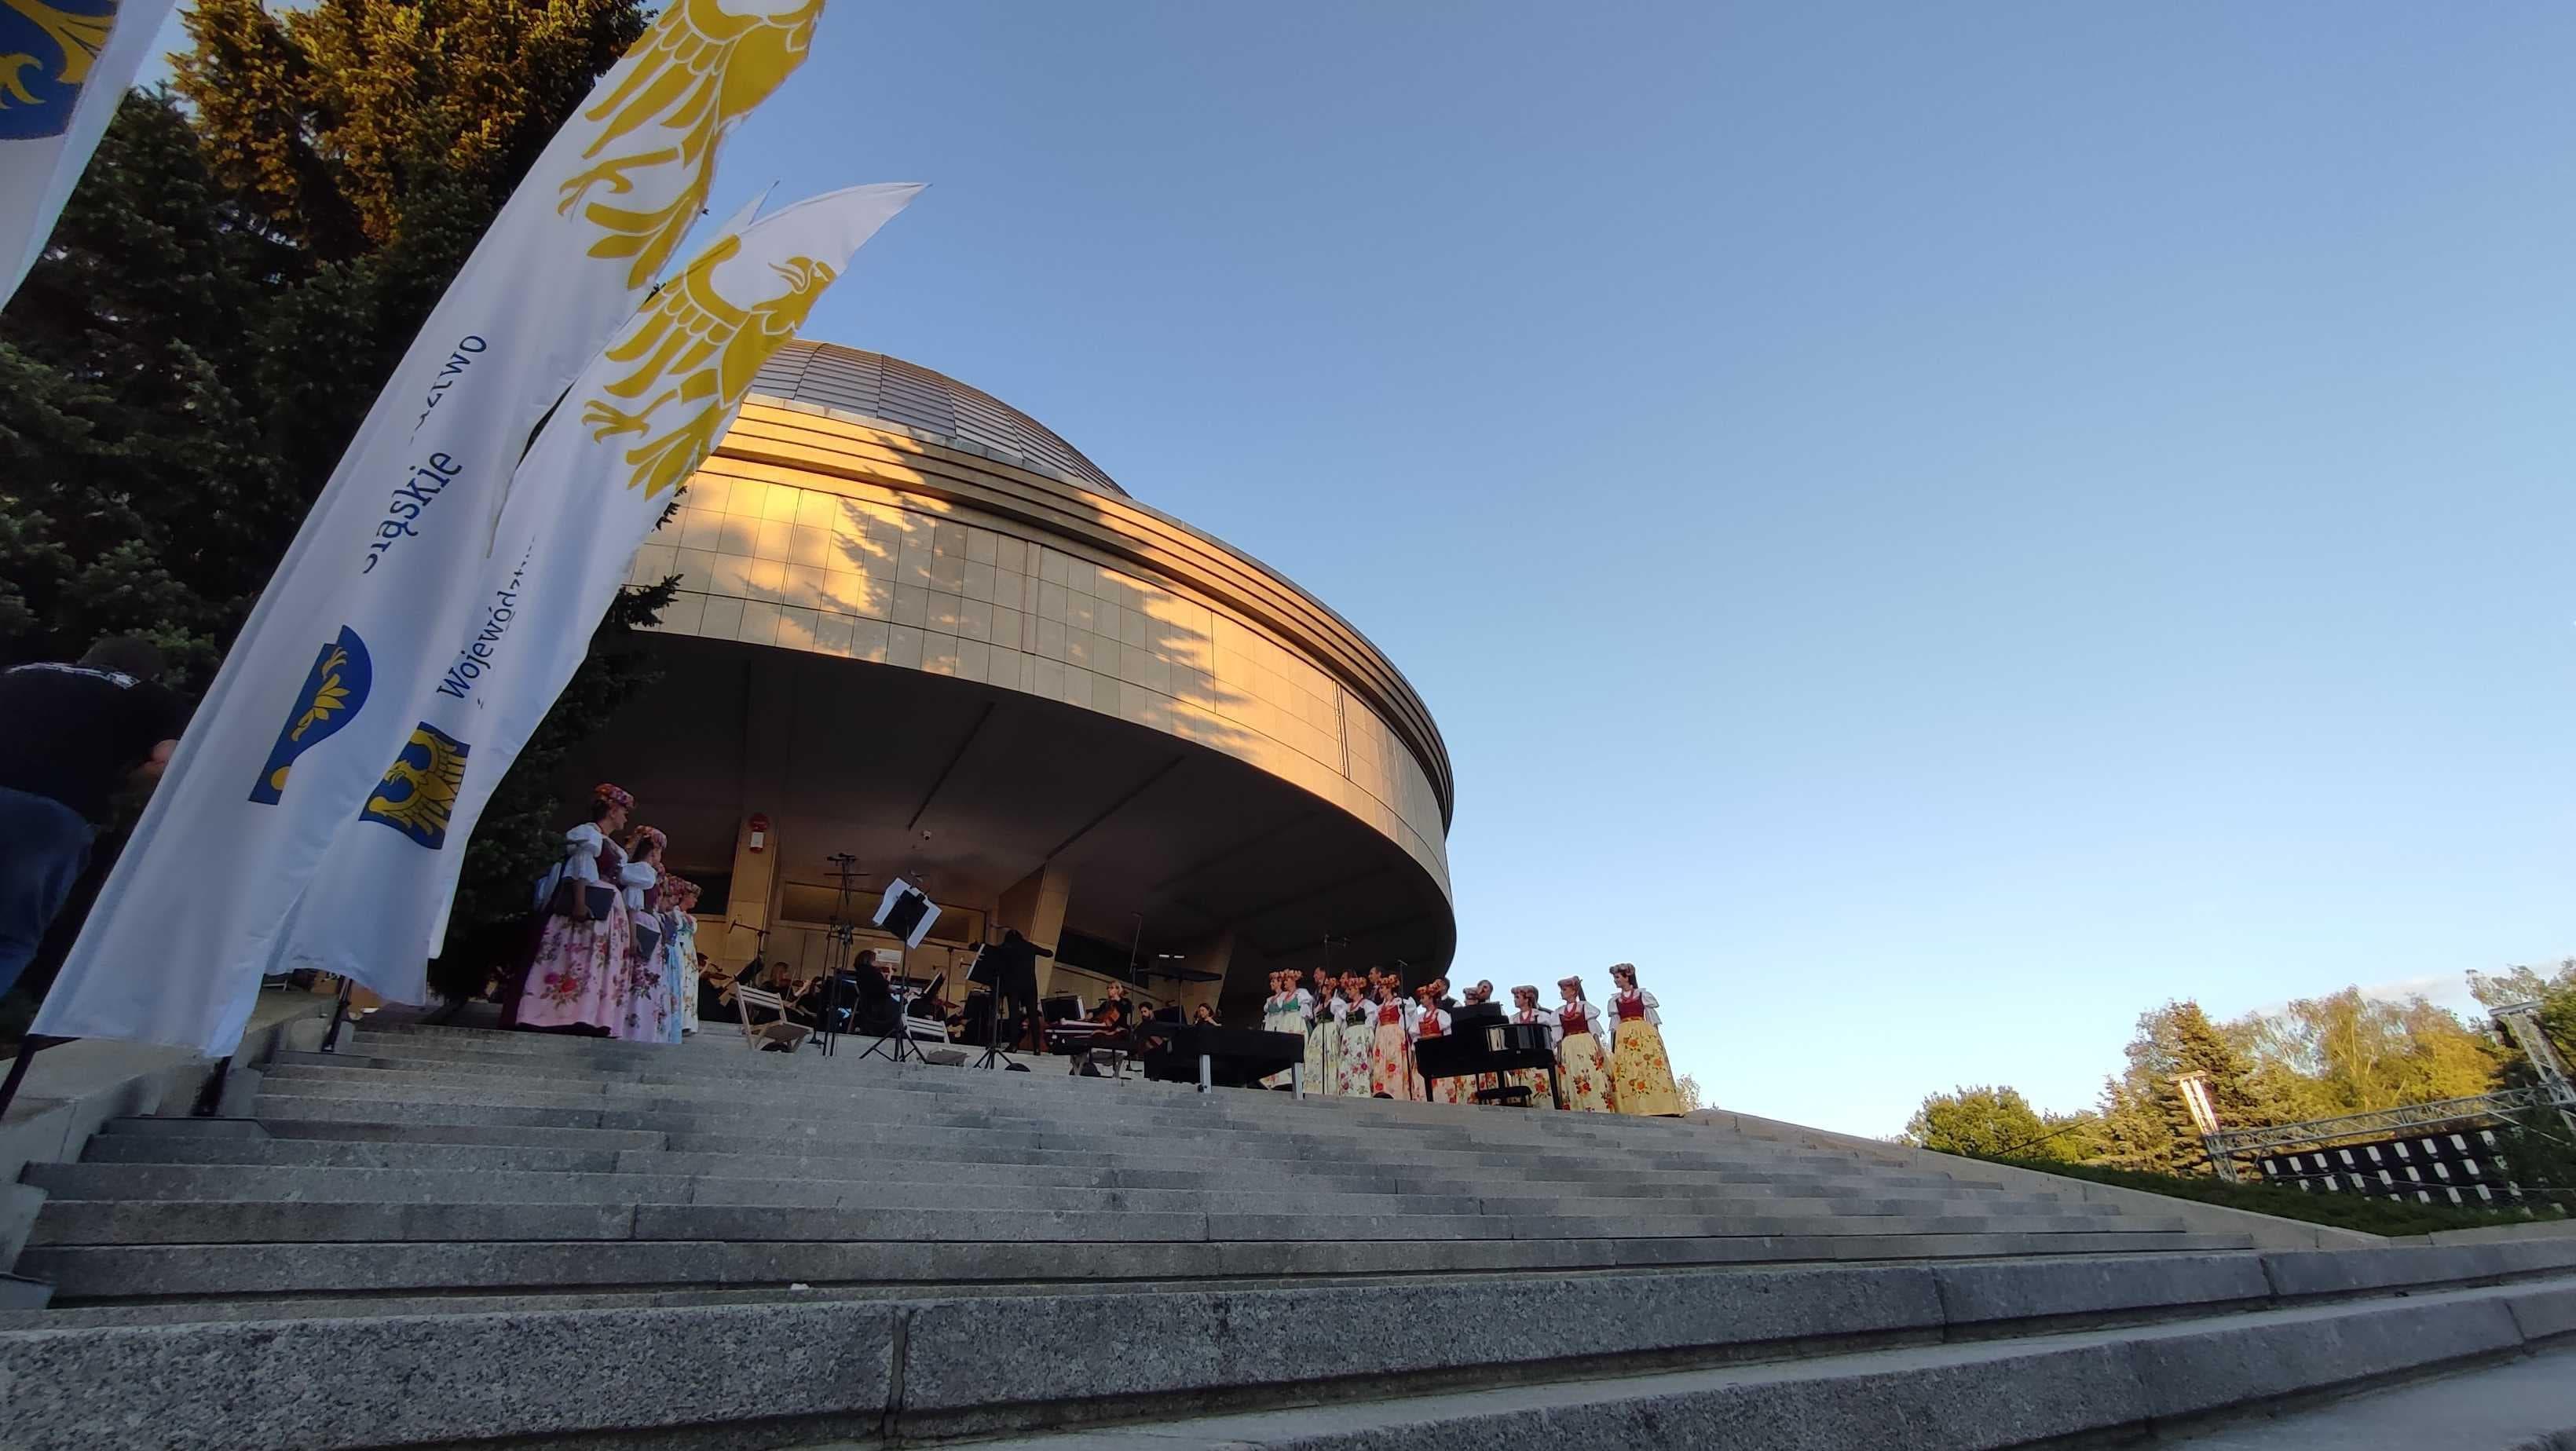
(442,1236)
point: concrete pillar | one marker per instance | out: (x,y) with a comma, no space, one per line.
(1230,961)
(1035,905)
(751,906)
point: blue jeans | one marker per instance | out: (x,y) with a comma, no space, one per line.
(43,847)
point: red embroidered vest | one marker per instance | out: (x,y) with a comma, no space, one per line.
(1576,1025)
(1430,1025)
(1630,1006)
(1390,1015)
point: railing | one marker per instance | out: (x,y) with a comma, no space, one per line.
(2487,1108)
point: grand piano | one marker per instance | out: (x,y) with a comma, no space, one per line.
(1481,1040)
(1219,1057)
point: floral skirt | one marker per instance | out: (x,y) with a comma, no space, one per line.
(1324,1058)
(1391,1064)
(582,975)
(1535,1080)
(1587,1078)
(1643,1074)
(1451,1090)
(1358,1048)
(651,1011)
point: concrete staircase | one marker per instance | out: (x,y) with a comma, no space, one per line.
(441,1236)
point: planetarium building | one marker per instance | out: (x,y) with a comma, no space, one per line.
(920,635)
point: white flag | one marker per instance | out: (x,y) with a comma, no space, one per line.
(325,682)
(637,424)
(64,67)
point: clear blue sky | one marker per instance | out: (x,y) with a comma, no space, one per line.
(1955,523)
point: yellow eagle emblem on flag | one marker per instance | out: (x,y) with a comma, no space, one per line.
(418,794)
(46,52)
(699,69)
(697,348)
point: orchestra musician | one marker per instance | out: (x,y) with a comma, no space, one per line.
(1111,1015)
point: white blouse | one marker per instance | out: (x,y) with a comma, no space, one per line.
(580,863)
(637,877)
(1595,1020)
(581,852)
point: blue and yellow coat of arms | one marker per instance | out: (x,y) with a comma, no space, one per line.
(418,794)
(335,689)
(46,51)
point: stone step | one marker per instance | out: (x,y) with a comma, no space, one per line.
(1994,1394)
(174,1272)
(1051,1092)
(353,1085)
(1049,1083)
(898,1104)
(989,1144)
(899,1107)
(1220,1176)
(74,1185)
(1842,1356)
(863,1217)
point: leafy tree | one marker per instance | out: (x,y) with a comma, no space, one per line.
(1691,1096)
(1997,1122)
(1978,1121)
(230,285)
(2345,1053)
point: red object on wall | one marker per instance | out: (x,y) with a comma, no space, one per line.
(759,833)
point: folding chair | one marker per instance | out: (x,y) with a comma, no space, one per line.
(761,1035)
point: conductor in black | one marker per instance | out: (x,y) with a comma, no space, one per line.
(1015,984)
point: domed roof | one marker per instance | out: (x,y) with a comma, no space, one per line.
(932,407)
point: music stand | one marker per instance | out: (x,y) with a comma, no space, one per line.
(902,1036)
(989,979)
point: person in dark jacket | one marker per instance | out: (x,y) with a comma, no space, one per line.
(72,736)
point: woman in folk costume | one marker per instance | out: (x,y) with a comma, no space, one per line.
(1582,1054)
(648,1000)
(1526,1011)
(1359,1036)
(1431,1022)
(1284,1011)
(684,951)
(1391,1047)
(1323,1037)
(676,992)
(585,962)
(1637,1063)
